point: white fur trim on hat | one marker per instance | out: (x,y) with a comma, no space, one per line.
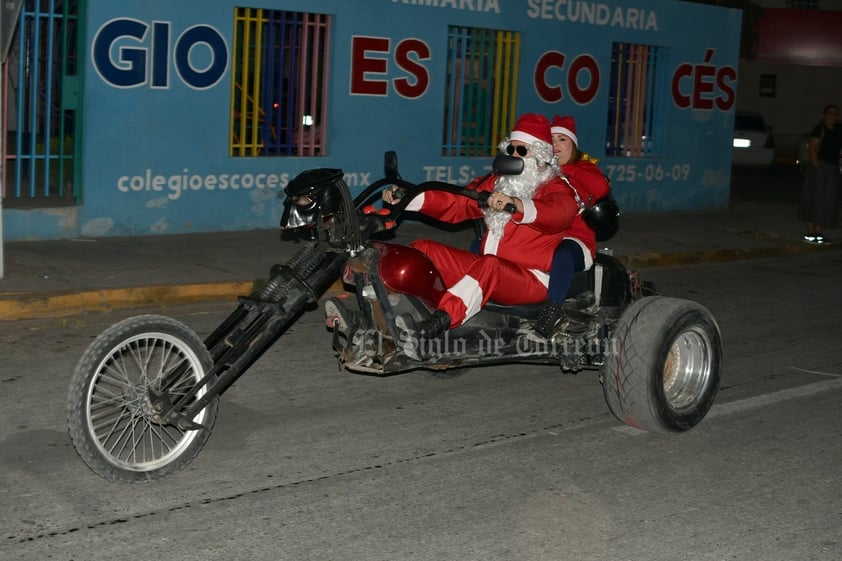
(525,137)
(564,130)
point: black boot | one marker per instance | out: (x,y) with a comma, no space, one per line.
(412,332)
(434,325)
(548,317)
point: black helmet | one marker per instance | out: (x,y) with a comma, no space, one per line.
(310,194)
(603,217)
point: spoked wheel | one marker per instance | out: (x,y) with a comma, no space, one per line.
(663,372)
(112,414)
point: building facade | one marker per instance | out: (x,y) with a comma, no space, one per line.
(796,69)
(146,117)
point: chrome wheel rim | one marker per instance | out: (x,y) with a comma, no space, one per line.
(121,420)
(687,369)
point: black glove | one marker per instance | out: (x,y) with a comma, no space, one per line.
(482,201)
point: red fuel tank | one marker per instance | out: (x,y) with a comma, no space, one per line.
(406,270)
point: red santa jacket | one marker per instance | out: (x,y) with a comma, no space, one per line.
(591,185)
(529,238)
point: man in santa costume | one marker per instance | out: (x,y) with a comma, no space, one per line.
(517,249)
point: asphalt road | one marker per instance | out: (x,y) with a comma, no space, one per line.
(308,462)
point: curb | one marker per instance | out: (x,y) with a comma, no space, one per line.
(64,304)
(69,303)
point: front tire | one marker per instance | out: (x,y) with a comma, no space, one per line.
(112,422)
(663,371)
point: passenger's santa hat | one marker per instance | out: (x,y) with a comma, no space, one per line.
(531,128)
(565,125)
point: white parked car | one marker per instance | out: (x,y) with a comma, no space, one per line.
(753,144)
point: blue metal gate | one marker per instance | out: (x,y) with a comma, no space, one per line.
(41,104)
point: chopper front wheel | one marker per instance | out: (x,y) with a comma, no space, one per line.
(112,417)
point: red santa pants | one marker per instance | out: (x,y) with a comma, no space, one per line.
(472,280)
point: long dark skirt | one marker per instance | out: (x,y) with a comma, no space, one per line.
(820,196)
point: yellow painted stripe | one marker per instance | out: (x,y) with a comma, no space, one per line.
(63,305)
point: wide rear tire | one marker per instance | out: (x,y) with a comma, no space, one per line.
(662,372)
(111,420)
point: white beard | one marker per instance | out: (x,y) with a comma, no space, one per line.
(522,186)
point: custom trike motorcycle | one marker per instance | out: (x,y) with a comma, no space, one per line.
(144,396)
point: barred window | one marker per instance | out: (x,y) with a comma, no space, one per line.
(481,90)
(279,83)
(636,87)
(42,102)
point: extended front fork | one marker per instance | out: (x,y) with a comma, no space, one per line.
(256,323)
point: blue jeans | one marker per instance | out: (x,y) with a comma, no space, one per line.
(567,260)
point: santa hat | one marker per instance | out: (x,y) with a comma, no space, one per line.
(532,127)
(565,125)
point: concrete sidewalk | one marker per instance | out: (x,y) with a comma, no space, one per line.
(66,277)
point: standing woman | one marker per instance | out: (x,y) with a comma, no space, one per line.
(819,206)
(577,250)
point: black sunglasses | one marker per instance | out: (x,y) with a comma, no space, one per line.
(521,150)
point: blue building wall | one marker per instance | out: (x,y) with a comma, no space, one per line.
(155,156)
